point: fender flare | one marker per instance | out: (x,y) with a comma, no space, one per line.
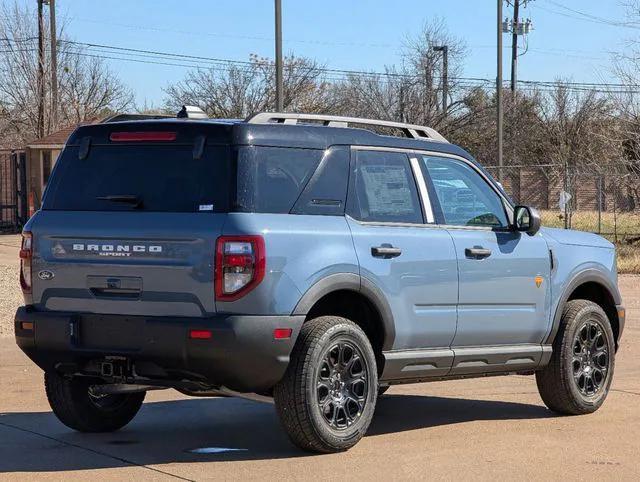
(359,284)
(589,275)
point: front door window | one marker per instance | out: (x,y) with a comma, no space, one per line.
(465,198)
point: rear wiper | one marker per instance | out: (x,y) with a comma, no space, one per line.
(136,201)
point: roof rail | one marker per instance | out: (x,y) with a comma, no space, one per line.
(410,130)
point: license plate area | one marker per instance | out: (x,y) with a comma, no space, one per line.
(107,333)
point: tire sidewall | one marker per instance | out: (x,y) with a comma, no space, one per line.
(595,314)
(346,437)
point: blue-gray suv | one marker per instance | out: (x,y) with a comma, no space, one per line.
(310,260)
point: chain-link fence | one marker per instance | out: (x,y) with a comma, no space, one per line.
(607,204)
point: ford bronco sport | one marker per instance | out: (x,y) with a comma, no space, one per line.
(303,259)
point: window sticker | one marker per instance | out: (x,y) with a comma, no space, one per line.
(388,191)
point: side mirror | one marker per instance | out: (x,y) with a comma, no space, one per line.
(526,219)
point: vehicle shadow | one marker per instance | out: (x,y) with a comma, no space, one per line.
(165,432)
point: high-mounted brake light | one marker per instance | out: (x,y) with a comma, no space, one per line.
(150,136)
(200,334)
(240,266)
(26,254)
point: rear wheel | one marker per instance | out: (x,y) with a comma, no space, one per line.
(580,372)
(328,395)
(74,405)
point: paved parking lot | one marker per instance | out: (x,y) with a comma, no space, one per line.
(494,428)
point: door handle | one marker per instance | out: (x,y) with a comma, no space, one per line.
(386,251)
(477,252)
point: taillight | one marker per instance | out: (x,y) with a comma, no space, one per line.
(240,266)
(26,254)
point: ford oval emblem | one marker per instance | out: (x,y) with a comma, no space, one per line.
(45,274)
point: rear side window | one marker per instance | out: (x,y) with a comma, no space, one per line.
(163,178)
(384,189)
(270,179)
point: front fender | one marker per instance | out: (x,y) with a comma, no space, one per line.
(589,273)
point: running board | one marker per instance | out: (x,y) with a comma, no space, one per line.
(421,365)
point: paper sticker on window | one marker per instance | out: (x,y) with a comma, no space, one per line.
(205,207)
(388,191)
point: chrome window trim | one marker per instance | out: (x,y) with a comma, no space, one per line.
(422,188)
(388,224)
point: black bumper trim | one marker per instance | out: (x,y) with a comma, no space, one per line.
(241,354)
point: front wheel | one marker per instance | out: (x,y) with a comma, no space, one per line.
(75,406)
(580,372)
(327,396)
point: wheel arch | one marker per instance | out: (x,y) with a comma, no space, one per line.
(593,285)
(325,295)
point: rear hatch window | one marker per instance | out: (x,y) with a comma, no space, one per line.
(162,177)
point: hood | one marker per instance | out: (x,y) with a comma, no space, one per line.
(576,238)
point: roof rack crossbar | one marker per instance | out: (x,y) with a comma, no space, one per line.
(409,130)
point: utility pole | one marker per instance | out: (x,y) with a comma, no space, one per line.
(445,76)
(54,61)
(40,77)
(401,103)
(514,45)
(428,91)
(279,81)
(499,91)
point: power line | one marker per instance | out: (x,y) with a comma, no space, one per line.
(595,18)
(578,15)
(154,57)
(235,36)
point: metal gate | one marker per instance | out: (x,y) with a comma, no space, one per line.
(13,190)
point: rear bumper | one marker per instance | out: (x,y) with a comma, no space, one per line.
(241,353)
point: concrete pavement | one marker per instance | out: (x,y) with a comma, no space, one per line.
(494,428)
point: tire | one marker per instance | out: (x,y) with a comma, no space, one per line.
(575,382)
(77,409)
(383,390)
(347,391)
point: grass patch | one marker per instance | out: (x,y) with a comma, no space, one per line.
(623,230)
(624,224)
(628,259)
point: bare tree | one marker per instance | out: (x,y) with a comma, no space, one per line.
(412,92)
(626,67)
(87,88)
(234,91)
(580,135)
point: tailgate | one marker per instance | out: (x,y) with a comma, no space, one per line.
(153,264)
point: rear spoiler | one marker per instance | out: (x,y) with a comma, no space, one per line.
(187,112)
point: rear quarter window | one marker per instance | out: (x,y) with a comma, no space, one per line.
(270,179)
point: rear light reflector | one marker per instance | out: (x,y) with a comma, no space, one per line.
(142,136)
(282,333)
(26,325)
(200,334)
(240,266)
(26,254)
